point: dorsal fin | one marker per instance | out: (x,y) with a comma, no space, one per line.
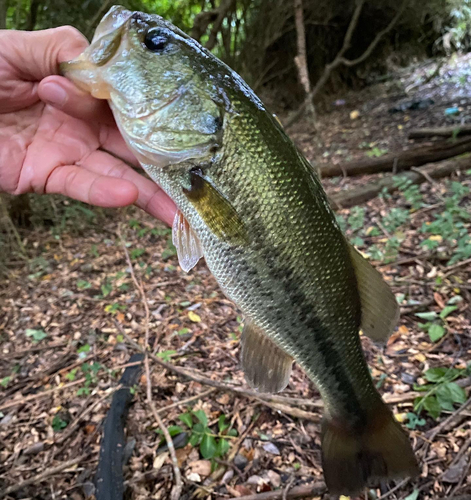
(379,307)
(266,366)
(186,242)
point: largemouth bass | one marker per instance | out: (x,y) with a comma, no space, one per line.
(250,203)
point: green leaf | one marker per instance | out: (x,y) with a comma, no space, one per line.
(199,428)
(37,335)
(194,439)
(444,397)
(5,381)
(458,394)
(173,430)
(413,421)
(222,447)
(201,416)
(232,432)
(446,311)
(222,425)
(166,355)
(436,332)
(83,285)
(429,316)
(435,374)
(432,406)
(208,446)
(187,419)
(413,496)
(58,424)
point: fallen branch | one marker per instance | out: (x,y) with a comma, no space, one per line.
(311,490)
(402,160)
(362,194)
(109,475)
(178,484)
(453,131)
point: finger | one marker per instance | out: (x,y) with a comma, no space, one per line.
(64,95)
(151,197)
(90,187)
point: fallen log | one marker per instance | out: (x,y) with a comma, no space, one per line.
(362,194)
(453,131)
(402,160)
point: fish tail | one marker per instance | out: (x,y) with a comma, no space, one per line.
(353,459)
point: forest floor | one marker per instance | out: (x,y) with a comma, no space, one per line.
(70,315)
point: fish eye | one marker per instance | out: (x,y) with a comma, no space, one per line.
(155,40)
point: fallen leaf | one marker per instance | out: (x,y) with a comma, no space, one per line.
(201,467)
(271,448)
(159,460)
(194,317)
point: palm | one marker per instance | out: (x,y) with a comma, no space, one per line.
(73,148)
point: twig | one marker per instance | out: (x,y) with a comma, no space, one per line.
(177,489)
(178,486)
(392,490)
(443,425)
(27,399)
(312,490)
(287,488)
(43,475)
(186,401)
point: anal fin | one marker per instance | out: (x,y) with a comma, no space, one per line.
(379,307)
(186,242)
(266,366)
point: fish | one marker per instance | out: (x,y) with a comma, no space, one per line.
(252,205)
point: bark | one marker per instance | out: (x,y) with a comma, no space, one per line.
(32,15)
(453,131)
(402,160)
(360,195)
(225,7)
(3,14)
(301,58)
(202,22)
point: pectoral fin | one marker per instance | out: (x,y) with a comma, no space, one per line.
(267,368)
(186,242)
(216,211)
(379,308)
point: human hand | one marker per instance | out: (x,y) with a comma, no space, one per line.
(52,135)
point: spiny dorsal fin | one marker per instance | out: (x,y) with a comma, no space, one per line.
(379,308)
(186,242)
(266,366)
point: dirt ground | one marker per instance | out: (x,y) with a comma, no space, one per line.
(68,318)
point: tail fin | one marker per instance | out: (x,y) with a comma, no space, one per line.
(353,460)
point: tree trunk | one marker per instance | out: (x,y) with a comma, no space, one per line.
(402,160)
(301,58)
(453,131)
(32,16)
(362,194)
(3,14)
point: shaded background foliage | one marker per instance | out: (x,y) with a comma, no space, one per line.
(258,39)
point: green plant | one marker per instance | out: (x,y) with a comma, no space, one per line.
(376,152)
(441,391)
(211,443)
(436,324)
(36,335)
(58,424)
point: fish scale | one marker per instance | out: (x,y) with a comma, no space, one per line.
(251,204)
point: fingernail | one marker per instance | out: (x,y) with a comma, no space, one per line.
(53,94)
